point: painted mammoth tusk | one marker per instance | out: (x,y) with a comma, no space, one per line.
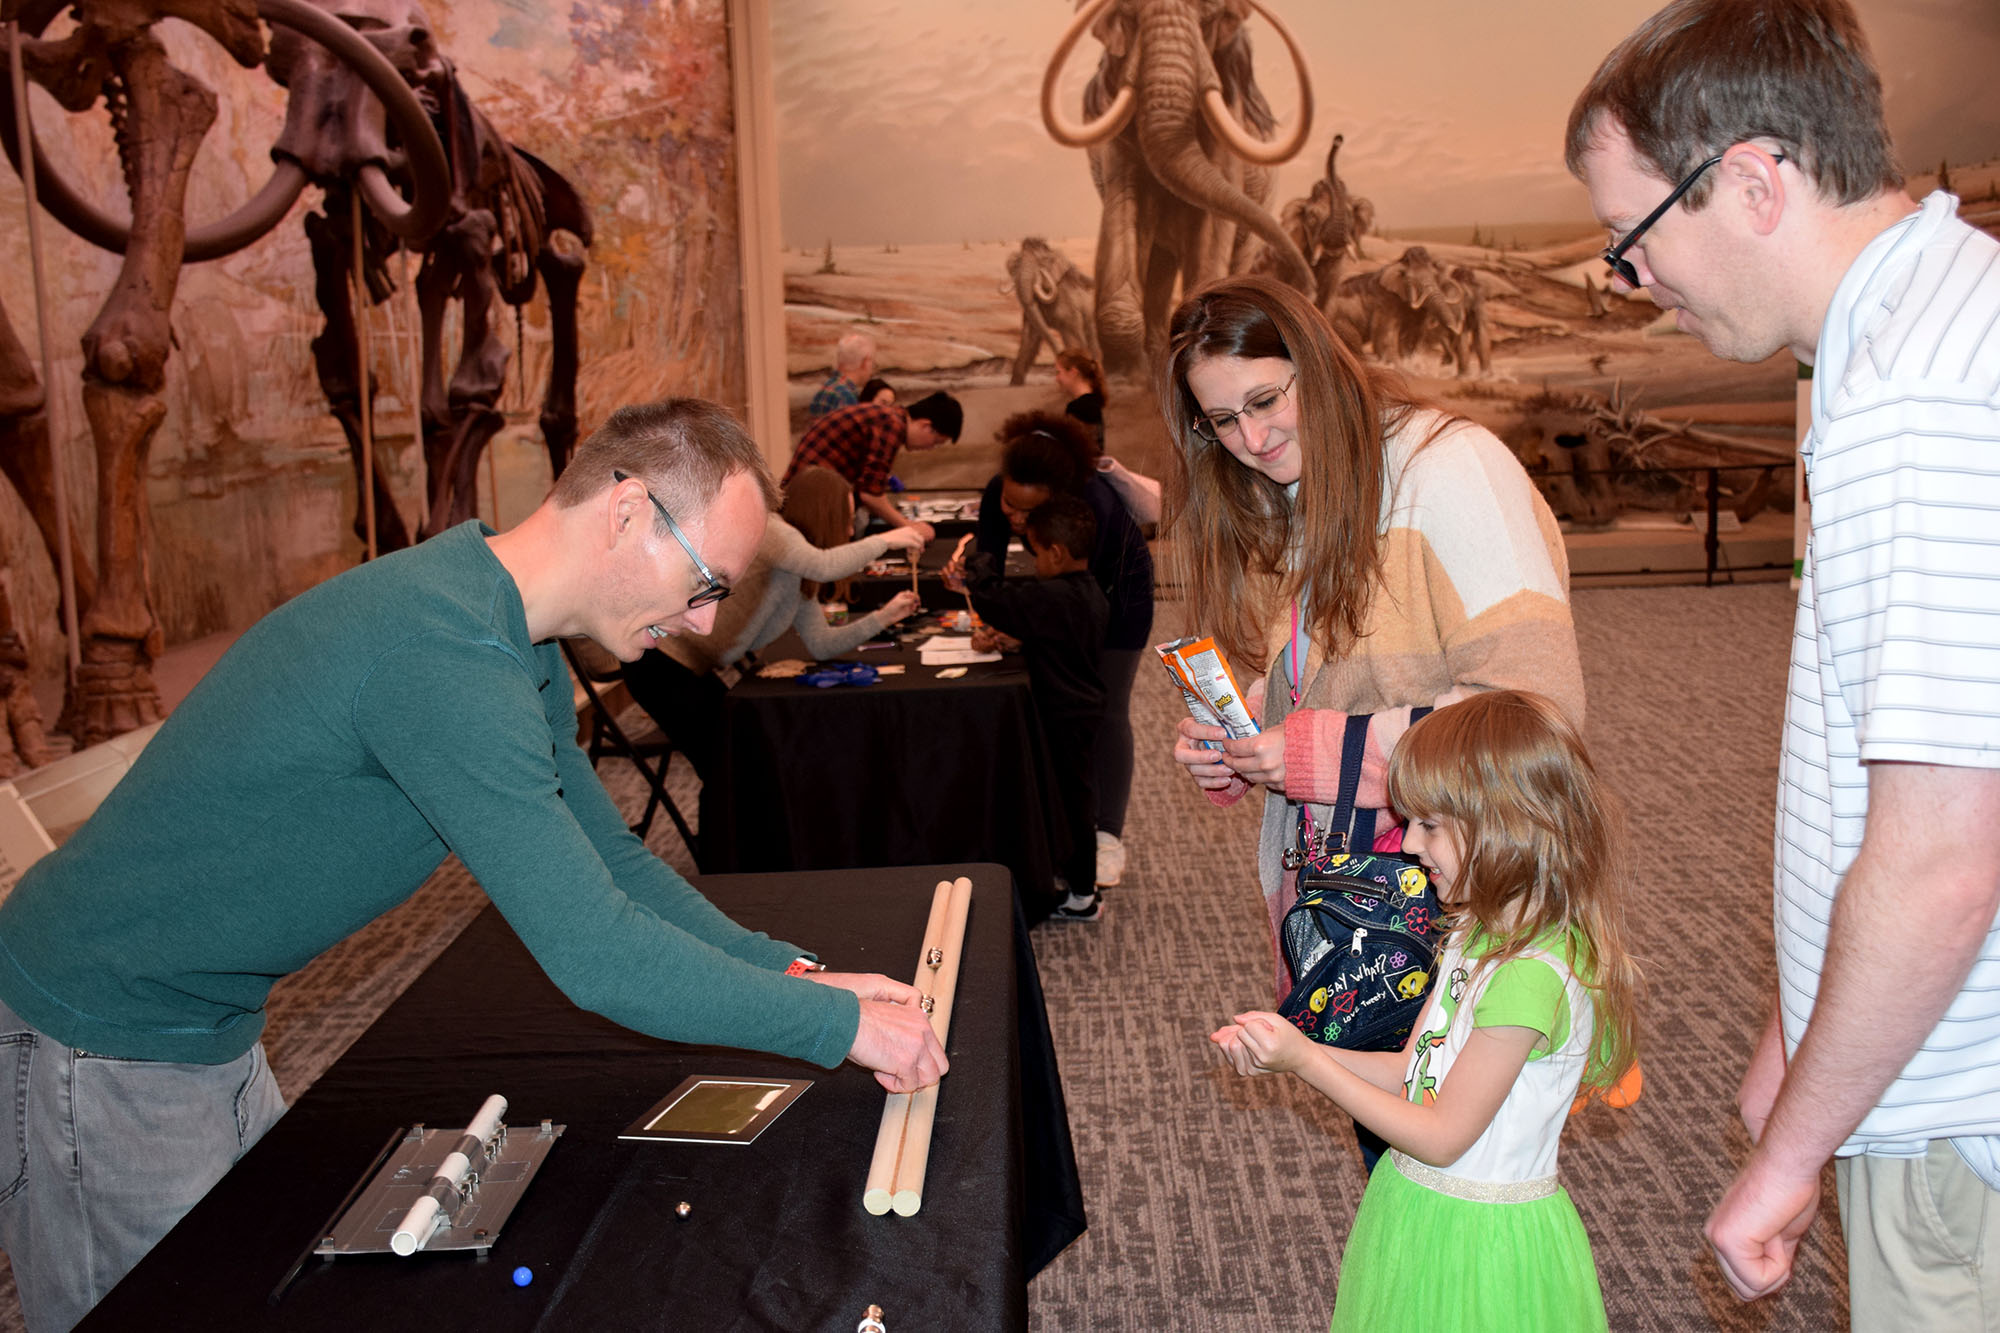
(1063,130)
(1007,287)
(1045,288)
(1253,150)
(269,205)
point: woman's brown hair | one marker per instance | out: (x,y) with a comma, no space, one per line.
(1240,549)
(1542,847)
(818,502)
(1084,364)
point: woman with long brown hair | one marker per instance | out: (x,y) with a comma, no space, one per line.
(1362,553)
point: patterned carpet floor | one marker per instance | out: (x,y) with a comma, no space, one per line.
(1219,1203)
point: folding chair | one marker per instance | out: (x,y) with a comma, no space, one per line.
(650,757)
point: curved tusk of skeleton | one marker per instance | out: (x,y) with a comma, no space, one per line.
(428,169)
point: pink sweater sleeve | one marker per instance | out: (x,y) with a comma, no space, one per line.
(1313,738)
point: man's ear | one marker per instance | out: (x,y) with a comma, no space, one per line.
(621,510)
(1749,173)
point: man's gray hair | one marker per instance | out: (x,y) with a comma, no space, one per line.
(852,350)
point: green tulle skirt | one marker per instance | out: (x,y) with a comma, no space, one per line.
(1420,1260)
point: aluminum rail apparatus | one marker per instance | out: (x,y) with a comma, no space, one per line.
(448,1187)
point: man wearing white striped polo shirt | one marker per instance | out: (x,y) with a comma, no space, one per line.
(1737,154)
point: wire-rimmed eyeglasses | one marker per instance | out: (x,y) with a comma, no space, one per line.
(1220,426)
(712,589)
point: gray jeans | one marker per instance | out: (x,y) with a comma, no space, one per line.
(100,1157)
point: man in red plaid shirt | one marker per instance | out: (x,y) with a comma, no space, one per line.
(860,443)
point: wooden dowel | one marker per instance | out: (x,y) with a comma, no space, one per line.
(879,1193)
(916,1156)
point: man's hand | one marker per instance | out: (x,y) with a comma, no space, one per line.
(895,1037)
(1756,1229)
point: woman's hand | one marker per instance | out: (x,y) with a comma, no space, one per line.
(1259,758)
(902,606)
(1209,768)
(1262,1043)
(909,539)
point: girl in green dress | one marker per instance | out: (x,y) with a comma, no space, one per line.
(1464,1224)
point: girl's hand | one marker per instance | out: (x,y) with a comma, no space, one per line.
(1260,758)
(1209,768)
(1253,698)
(905,539)
(1262,1043)
(902,606)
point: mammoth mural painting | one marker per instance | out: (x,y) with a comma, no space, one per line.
(1055,304)
(1394,311)
(1181,145)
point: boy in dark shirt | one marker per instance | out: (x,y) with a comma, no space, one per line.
(1060,617)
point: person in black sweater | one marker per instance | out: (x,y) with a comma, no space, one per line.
(1059,617)
(1048,454)
(1079,375)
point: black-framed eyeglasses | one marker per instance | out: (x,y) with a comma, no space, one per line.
(1614,255)
(712,589)
(1220,426)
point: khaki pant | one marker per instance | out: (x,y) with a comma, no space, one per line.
(1923,1243)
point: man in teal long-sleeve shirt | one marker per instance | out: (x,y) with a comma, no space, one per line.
(413,707)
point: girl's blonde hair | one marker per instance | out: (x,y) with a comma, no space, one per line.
(1542,845)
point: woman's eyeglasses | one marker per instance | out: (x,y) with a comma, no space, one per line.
(1220,426)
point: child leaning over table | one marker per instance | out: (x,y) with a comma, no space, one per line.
(1059,617)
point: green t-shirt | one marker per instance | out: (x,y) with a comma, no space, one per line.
(317,776)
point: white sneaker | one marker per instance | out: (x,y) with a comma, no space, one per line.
(1110,860)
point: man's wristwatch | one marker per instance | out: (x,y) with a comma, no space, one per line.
(802,965)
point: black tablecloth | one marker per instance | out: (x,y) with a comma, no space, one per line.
(911,770)
(777,1237)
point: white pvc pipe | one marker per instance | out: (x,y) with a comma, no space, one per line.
(426,1215)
